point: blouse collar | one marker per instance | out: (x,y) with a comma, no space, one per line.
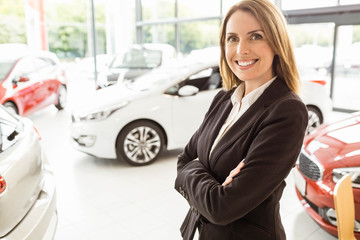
(249,99)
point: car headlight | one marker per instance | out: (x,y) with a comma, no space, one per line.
(100,115)
(354,172)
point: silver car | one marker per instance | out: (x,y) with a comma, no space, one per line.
(27,184)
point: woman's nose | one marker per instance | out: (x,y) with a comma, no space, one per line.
(242,48)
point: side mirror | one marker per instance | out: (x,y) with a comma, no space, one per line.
(23,79)
(188,90)
(20,79)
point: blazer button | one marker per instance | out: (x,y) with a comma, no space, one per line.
(181,191)
(186,196)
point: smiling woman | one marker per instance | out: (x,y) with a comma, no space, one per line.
(251,134)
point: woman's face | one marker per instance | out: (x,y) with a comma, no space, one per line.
(247,51)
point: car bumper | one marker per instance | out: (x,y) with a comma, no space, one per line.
(318,202)
(41,221)
(94,138)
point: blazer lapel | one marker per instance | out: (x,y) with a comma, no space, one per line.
(215,125)
(273,92)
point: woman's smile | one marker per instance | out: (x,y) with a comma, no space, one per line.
(246,64)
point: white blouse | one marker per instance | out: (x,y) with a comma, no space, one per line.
(240,105)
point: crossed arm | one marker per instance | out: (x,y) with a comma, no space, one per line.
(265,168)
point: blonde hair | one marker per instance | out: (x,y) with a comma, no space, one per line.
(273,24)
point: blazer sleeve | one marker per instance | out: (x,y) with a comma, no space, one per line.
(270,158)
(190,150)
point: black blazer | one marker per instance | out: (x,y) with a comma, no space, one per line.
(269,136)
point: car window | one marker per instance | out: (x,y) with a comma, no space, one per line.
(206,79)
(42,62)
(138,58)
(25,66)
(5,67)
(10,127)
(158,77)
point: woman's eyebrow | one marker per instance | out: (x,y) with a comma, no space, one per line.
(254,31)
(251,32)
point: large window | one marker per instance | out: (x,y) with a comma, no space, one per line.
(186,24)
(68,26)
(313,48)
(346,91)
(12,22)
(157,9)
(162,33)
(198,8)
(198,35)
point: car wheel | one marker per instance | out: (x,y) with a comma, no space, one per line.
(11,107)
(315,119)
(62,97)
(140,143)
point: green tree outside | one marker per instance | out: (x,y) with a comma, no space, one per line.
(12,22)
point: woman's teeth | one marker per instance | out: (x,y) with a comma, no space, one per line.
(247,63)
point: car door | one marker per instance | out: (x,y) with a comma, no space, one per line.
(189,111)
(25,84)
(47,76)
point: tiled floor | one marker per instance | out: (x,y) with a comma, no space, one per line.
(108,199)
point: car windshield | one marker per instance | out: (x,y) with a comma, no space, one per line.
(10,127)
(138,58)
(157,78)
(5,67)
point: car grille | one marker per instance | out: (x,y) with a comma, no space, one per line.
(309,168)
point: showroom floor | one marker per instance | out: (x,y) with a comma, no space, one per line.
(108,199)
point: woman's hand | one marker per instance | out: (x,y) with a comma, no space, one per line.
(233,173)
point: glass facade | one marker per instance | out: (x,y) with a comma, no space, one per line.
(12,22)
(161,33)
(68,26)
(157,9)
(198,8)
(346,91)
(185,24)
(328,47)
(198,35)
(313,49)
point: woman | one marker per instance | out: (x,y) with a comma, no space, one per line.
(256,124)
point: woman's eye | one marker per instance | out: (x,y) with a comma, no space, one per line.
(256,37)
(231,39)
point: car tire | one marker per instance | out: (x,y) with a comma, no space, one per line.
(11,107)
(62,97)
(315,119)
(140,143)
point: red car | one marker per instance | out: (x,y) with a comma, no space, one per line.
(328,153)
(31,81)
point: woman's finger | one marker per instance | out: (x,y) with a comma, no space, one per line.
(227,181)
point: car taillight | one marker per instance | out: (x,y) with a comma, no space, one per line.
(321,82)
(2,184)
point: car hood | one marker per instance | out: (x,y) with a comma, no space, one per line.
(106,97)
(339,141)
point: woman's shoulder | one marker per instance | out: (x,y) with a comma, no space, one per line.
(224,94)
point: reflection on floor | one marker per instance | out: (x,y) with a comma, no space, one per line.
(108,199)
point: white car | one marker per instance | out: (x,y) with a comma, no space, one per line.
(134,62)
(159,110)
(27,184)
